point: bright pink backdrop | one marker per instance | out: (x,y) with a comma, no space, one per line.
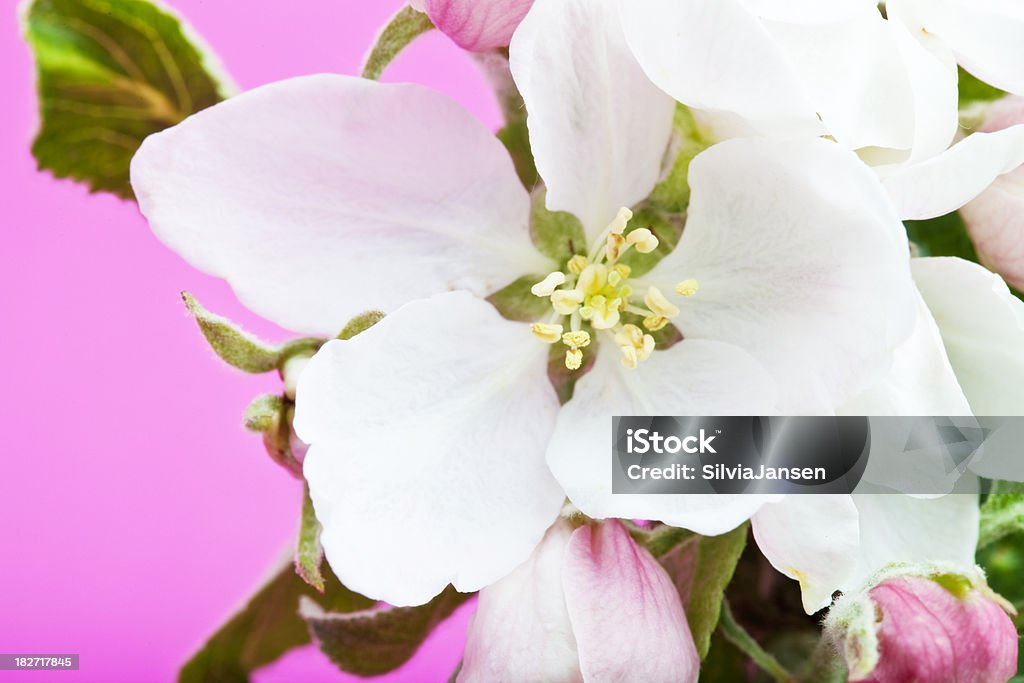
(135,513)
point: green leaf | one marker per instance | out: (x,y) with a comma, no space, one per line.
(361,323)
(517,302)
(702,567)
(743,641)
(373,642)
(267,627)
(942,236)
(556,234)
(110,73)
(401,30)
(240,349)
(309,554)
(1002,513)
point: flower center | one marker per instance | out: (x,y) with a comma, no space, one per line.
(595,292)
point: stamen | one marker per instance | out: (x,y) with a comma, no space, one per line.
(629,357)
(655,322)
(623,270)
(573,359)
(643,239)
(577,263)
(548,285)
(687,288)
(547,333)
(566,301)
(620,221)
(614,246)
(579,339)
(658,304)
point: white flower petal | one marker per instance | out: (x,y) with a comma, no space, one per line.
(982,326)
(800,260)
(815,539)
(716,55)
(808,11)
(599,129)
(691,378)
(921,380)
(320,197)
(625,610)
(946,182)
(899,528)
(427,436)
(984,34)
(521,631)
(850,70)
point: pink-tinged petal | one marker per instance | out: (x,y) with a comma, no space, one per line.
(625,611)
(929,634)
(996,218)
(521,631)
(476,25)
(320,197)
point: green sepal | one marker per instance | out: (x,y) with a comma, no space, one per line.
(402,29)
(309,554)
(264,412)
(668,228)
(109,74)
(517,302)
(1002,513)
(659,540)
(556,234)
(374,642)
(702,567)
(515,134)
(266,628)
(672,193)
(360,324)
(241,350)
(562,378)
(271,415)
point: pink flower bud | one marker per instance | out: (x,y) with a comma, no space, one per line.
(995,218)
(476,25)
(944,628)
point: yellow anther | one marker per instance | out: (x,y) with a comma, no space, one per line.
(623,270)
(655,322)
(629,335)
(547,333)
(566,301)
(687,288)
(573,359)
(548,285)
(614,278)
(587,312)
(578,339)
(658,304)
(629,357)
(614,245)
(593,278)
(577,263)
(643,239)
(646,348)
(620,221)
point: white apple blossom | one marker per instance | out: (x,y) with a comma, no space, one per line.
(322,196)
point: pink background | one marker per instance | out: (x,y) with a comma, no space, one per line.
(135,513)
